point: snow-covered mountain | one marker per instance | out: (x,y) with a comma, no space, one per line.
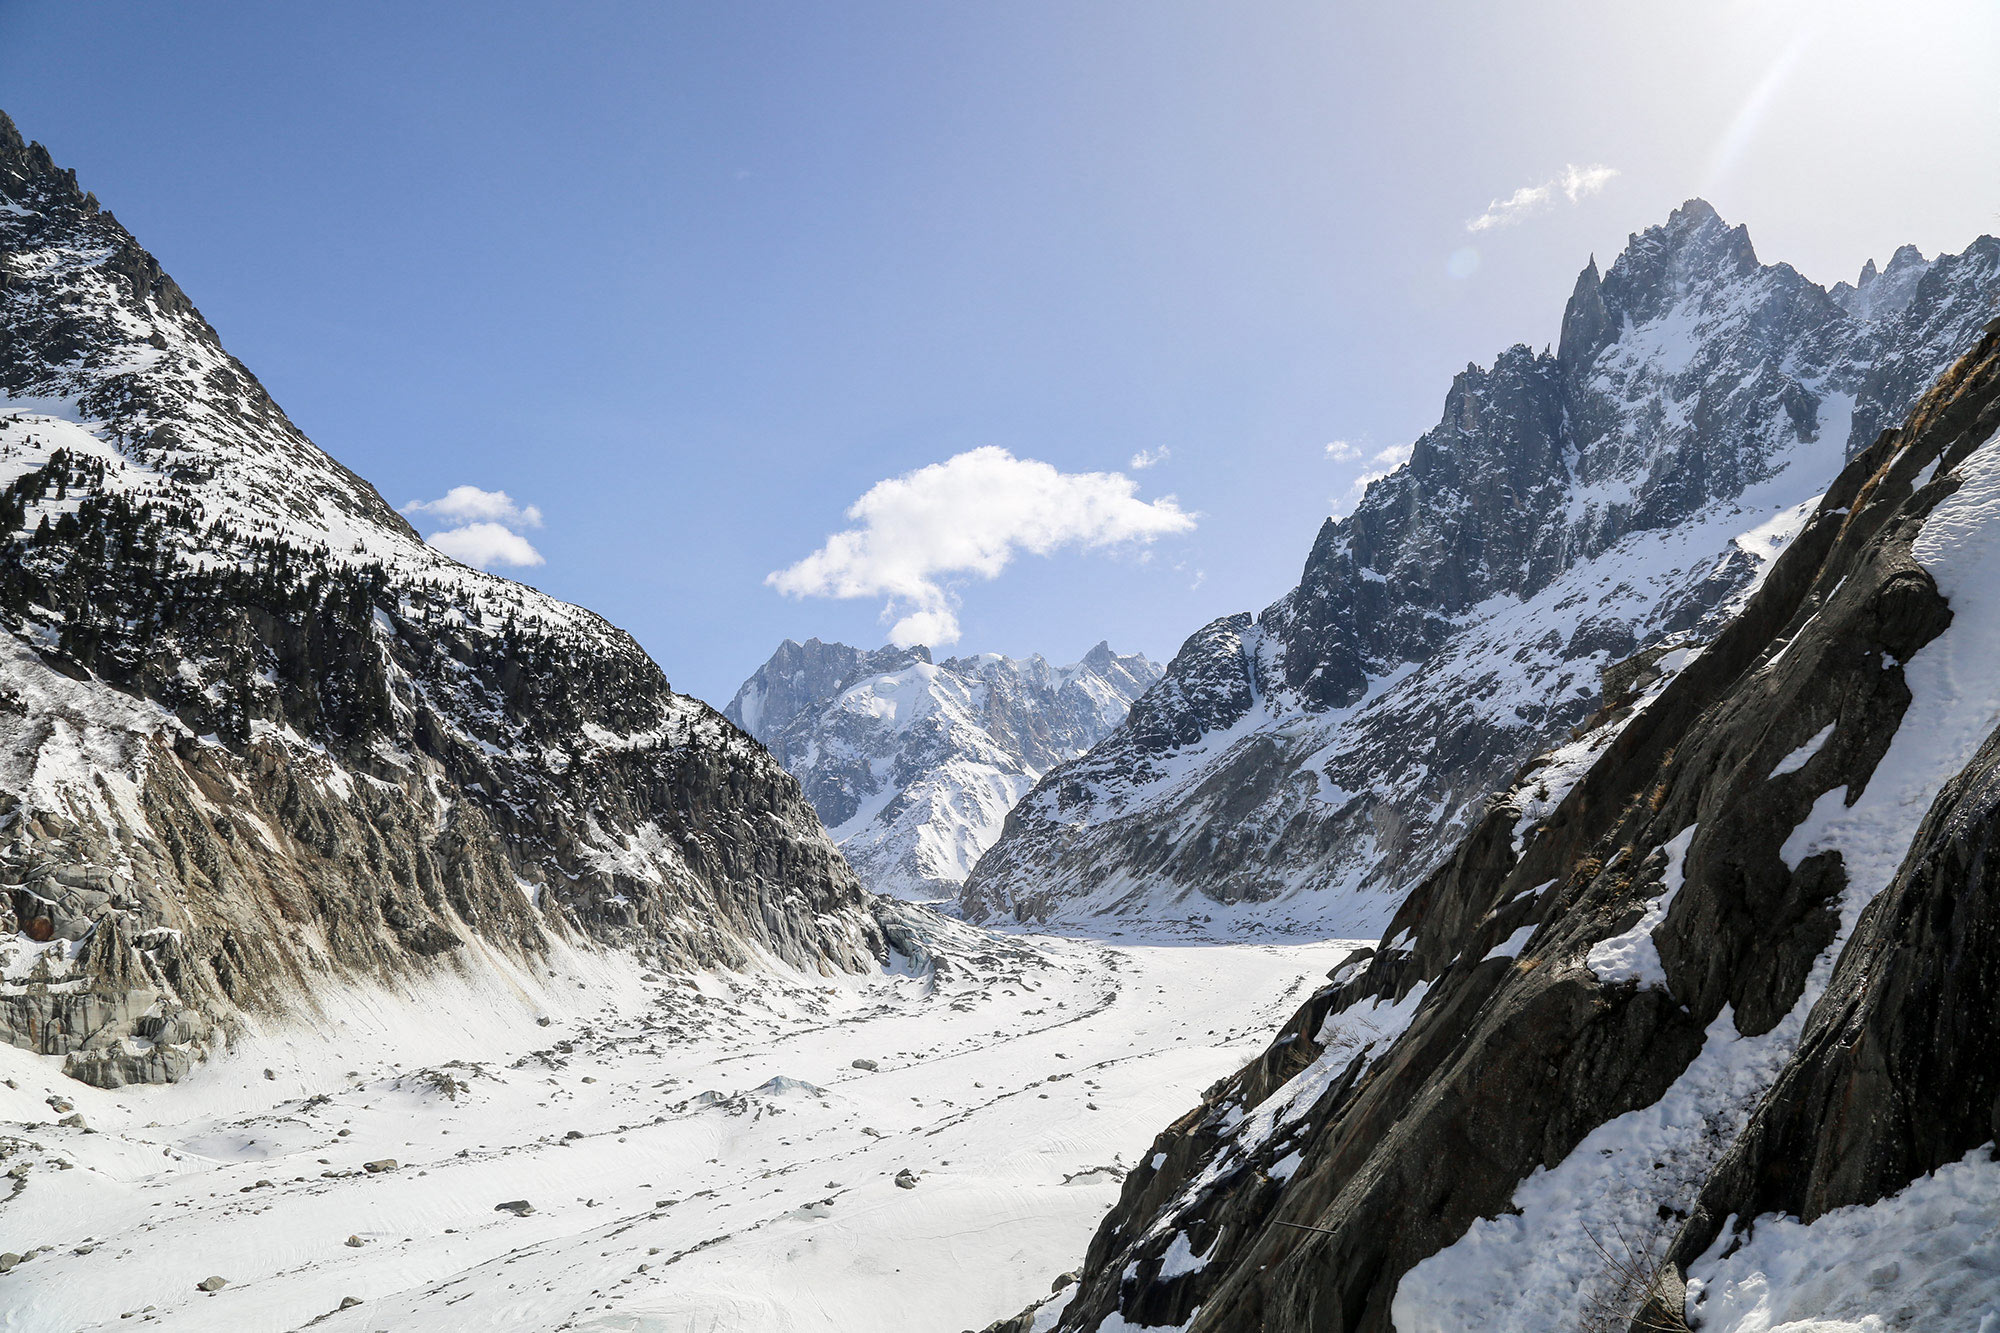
(258,740)
(1695,1029)
(914,764)
(1624,491)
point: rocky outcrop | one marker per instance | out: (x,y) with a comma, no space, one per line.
(913,764)
(1568,509)
(256,738)
(1697,980)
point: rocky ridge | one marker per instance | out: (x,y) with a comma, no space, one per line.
(914,764)
(1314,762)
(1683,1034)
(257,737)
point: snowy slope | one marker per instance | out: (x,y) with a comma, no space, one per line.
(261,741)
(703,1156)
(914,764)
(1692,1030)
(1314,763)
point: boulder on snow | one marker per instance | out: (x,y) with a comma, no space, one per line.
(377,1167)
(211,1284)
(868,1065)
(905,1180)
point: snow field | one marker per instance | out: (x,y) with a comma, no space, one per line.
(1014,1092)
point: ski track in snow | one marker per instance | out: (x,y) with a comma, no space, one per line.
(766,1207)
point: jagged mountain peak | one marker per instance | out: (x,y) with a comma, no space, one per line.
(267,740)
(1694,245)
(1586,324)
(93,321)
(914,764)
(1565,511)
(1693,255)
(1698,982)
(799,674)
(1885,294)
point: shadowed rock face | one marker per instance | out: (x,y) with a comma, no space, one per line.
(1568,509)
(261,739)
(913,764)
(1721,957)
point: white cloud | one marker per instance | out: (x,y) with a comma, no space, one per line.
(483,544)
(1146,458)
(1574,183)
(1504,212)
(1379,466)
(488,526)
(469,504)
(1579,183)
(1340,451)
(939,626)
(969,515)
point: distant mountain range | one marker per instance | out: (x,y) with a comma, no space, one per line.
(914,764)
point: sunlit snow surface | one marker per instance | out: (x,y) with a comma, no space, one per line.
(1015,1091)
(1923,1258)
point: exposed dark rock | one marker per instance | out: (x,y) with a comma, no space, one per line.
(266,740)
(1487,1036)
(1567,510)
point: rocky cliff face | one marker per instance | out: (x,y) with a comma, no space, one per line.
(1628,489)
(914,764)
(258,737)
(1689,1031)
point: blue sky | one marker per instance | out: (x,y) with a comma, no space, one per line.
(692,280)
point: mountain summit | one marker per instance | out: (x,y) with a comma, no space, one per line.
(1694,1029)
(914,764)
(1313,762)
(261,740)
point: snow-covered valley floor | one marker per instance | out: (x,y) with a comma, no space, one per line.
(697,1160)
